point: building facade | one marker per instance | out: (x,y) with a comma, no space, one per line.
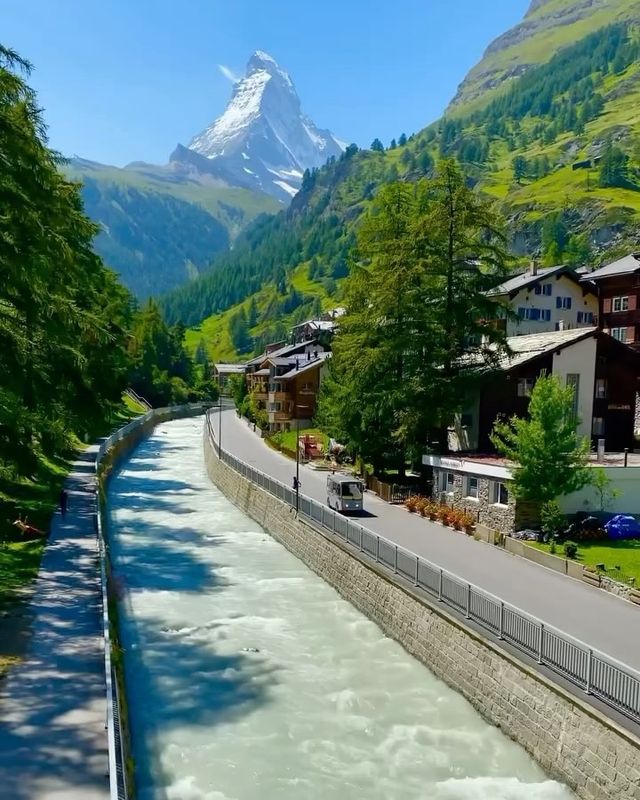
(542,300)
(618,286)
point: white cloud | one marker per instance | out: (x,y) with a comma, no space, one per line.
(228,73)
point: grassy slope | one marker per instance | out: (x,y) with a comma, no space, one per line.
(537,47)
(212,198)
(625,554)
(214,331)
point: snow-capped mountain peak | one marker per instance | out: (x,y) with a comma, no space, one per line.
(263,139)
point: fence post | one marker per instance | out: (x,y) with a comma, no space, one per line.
(468,614)
(334,521)
(540,642)
(377,549)
(417,567)
(395,560)
(501,629)
(589,672)
(361,538)
(440,586)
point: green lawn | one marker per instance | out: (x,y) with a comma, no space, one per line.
(288,438)
(624,555)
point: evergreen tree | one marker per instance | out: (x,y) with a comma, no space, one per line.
(252,314)
(239,332)
(377,146)
(520,168)
(393,144)
(402,140)
(614,167)
(551,458)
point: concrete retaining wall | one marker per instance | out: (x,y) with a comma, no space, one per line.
(571,740)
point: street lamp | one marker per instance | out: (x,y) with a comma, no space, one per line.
(297,480)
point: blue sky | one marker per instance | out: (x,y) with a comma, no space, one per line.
(127,80)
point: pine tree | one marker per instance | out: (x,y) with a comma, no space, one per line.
(402,140)
(377,146)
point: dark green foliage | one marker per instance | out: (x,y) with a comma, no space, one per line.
(63,316)
(239,332)
(614,167)
(377,146)
(428,254)
(154,242)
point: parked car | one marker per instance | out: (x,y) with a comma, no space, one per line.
(623,527)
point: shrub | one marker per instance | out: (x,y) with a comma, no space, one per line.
(411,503)
(552,519)
(468,522)
(570,549)
(457,519)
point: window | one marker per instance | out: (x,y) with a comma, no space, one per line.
(500,494)
(563,302)
(598,426)
(472,488)
(547,315)
(620,303)
(448,482)
(537,288)
(535,314)
(547,289)
(619,333)
(601,388)
(525,387)
(585,317)
(522,313)
(573,380)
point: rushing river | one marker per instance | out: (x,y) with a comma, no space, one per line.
(249,677)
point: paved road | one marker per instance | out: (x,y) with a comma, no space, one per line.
(599,619)
(53,743)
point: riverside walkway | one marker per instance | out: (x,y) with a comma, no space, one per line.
(598,619)
(53,743)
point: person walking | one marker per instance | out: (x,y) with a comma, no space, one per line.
(64,502)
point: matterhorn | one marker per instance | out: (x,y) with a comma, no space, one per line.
(263,140)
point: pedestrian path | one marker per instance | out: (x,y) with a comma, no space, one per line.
(53,742)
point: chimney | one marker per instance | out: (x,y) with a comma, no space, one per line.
(534,266)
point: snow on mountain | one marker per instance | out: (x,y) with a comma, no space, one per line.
(263,140)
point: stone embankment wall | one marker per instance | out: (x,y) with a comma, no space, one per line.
(571,740)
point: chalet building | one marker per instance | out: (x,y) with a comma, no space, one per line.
(222,373)
(603,371)
(547,300)
(293,388)
(618,286)
(321,330)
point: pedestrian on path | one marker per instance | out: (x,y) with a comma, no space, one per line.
(64,502)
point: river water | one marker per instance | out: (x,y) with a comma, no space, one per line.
(249,677)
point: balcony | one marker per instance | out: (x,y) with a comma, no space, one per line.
(279,416)
(279,397)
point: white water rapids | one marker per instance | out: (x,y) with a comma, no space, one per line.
(249,677)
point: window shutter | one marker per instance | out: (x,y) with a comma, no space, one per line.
(631,334)
(606,305)
(558,302)
(633,302)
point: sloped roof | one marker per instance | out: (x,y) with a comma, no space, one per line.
(526,348)
(230,369)
(305,366)
(280,352)
(527,278)
(624,266)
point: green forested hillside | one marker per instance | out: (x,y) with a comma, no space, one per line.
(518,142)
(159,228)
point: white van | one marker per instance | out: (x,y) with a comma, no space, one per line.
(344,493)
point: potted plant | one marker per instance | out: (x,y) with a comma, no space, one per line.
(434,509)
(457,519)
(424,507)
(411,503)
(468,523)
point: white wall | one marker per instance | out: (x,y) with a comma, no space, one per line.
(627,481)
(562,287)
(580,359)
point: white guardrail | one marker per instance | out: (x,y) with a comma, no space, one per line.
(614,683)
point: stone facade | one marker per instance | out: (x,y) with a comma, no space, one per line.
(497,517)
(570,739)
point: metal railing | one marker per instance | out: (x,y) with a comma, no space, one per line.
(614,683)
